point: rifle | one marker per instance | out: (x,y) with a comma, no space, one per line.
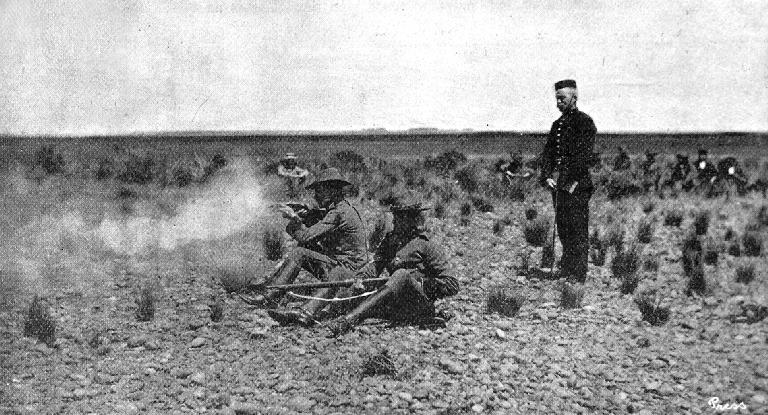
(325,284)
(308,216)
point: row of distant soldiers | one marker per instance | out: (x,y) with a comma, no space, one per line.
(704,174)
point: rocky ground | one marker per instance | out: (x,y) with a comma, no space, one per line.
(599,358)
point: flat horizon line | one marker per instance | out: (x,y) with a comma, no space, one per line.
(366,132)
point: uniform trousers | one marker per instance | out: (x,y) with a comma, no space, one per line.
(572,218)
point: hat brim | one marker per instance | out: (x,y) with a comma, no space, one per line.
(411,210)
(333,182)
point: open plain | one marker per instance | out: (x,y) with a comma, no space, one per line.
(89,225)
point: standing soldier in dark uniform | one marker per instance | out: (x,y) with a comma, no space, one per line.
(342,239)
(565,170)
(419,275)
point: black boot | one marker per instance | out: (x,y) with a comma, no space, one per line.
(290,317)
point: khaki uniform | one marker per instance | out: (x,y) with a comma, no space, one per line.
(341,238)
(420,276)
(340,233)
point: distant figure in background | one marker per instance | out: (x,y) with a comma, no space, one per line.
(729,172)
(651,172)
(706,172)
(681,173)
(621,162)
(294,175)
(565,160)
(513,169)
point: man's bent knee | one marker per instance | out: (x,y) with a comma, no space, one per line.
(401,278)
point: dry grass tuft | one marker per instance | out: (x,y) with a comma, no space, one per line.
(673,218)
(465,209)
(624,266)
(597,249)
(145,305)
(693,265)
(39,322)
(701,222)
(625,262)
(753,243)
(232,279)
(615,238)
(571,295)
(745,273)
(762,216)
(648,206)
(734,249)
(651,308)
(536,232)
(651,263)
(504,300)
(379,364)
(547,255)
(217,308)
(482,205)
(531,213)
(711,254)
(440,210)
(645,231)
(274,243)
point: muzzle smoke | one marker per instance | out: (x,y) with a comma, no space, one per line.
(63,233)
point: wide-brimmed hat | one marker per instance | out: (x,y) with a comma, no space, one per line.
(331,176)
(409,209)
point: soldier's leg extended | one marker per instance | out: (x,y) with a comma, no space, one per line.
(298,258)
(305,315)
(336,274)
(401,299)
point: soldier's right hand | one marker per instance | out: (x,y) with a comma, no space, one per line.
(288,213)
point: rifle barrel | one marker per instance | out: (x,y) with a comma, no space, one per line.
(325,284)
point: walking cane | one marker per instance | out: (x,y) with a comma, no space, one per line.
(554,231)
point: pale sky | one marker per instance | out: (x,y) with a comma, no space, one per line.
(95,67)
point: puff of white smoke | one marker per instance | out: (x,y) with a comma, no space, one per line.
(225,206)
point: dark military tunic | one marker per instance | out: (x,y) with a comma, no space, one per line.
(706,172)
(567,156)
(568,151)
(729,171)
